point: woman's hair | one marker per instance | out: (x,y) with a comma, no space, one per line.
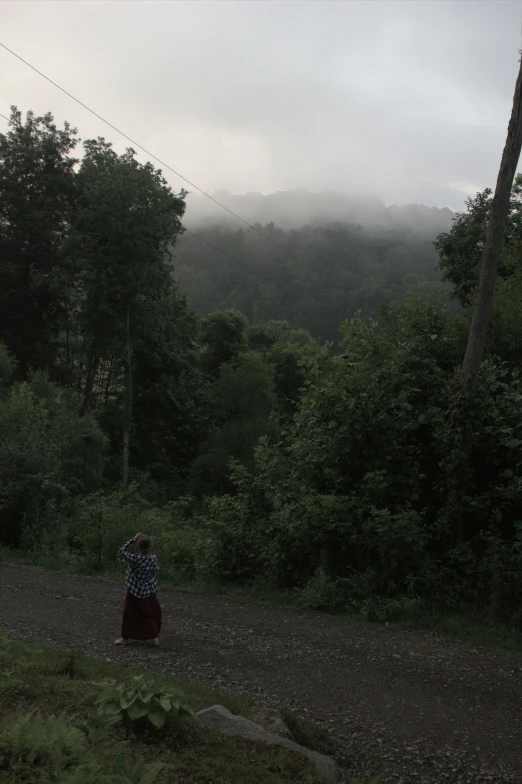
(144,543)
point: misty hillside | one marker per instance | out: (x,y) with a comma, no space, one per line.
(346,256)
(296,208)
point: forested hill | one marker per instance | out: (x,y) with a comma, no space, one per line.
(332,270)
(295,208)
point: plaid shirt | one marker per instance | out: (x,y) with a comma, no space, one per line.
(140,577)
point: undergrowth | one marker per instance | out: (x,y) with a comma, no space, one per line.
(52,729)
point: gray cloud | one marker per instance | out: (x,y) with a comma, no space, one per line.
(405,100)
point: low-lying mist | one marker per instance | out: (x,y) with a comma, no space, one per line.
(297,208)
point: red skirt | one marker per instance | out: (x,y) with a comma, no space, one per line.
(141,618)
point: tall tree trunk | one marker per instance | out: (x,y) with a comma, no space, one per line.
(67,343)
(92,367)
(493,245)
(109,378)
(127,405)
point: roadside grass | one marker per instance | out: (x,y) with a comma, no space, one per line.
(46,682)
(469,626)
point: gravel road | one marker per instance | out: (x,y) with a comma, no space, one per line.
(409,706)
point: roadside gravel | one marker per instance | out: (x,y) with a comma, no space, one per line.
(409,706)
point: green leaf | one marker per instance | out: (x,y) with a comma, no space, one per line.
(108,694)
(165,703)
(126,703)
(137,710)
(157,717)
(114,718)
(112,706)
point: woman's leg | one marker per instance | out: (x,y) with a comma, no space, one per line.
(126,620)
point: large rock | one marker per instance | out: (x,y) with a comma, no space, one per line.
(270,720)
(219,718)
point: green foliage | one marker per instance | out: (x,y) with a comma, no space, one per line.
(99,751)
(129,703)
(345,268)
(34,159)
(460,250)
(6,366)
(101,523)
(40,750)
(258,456)
(368,491)
(48,454)
(243,398)
(223,338)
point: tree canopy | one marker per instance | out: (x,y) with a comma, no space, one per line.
(304,430)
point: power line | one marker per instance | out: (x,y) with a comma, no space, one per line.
(211,245)
(165,165)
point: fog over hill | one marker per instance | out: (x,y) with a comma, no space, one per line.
(331,255)
(295,208)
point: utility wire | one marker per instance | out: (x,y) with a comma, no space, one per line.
(210,245)
(192,185)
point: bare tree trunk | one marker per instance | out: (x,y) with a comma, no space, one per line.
(127,406)
(92,367)
(67,343)
(109,376)
(493,245)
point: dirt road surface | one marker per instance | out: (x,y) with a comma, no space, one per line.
(409,706)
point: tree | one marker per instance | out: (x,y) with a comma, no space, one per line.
(127,219)
(345,269)
(243,399)
(288,351)
(171,403)
(223,336)
(37,196)
(48,455)
(460,250)
(493,243)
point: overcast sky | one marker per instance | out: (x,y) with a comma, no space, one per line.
(405,100)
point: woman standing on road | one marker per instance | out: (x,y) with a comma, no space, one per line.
(141,610)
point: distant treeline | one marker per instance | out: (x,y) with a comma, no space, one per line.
(341,268)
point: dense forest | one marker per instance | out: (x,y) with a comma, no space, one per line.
(313,277)
(250,450)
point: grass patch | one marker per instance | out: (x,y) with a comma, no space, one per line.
(46,694)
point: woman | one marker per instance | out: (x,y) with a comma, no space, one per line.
(142,610)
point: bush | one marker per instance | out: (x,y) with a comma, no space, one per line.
(388,482)
(48,455)
(103,521)
(131,703)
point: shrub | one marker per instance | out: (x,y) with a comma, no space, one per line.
(48,454)
(38,750)
(130,703)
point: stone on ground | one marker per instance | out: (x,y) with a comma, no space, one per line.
(271,720)
(219,718)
